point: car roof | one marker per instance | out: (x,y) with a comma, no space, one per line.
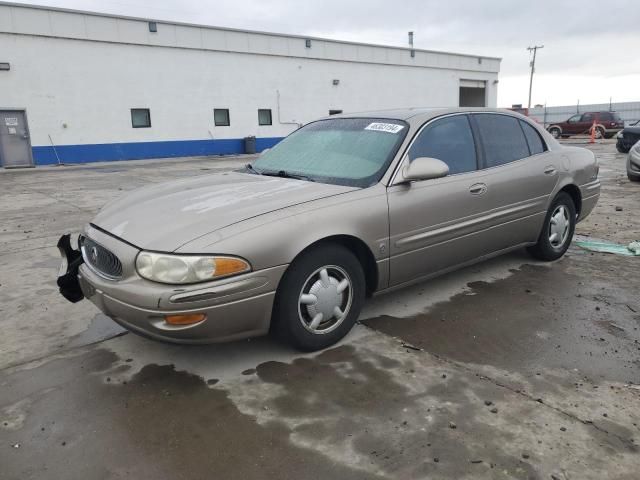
(419,114)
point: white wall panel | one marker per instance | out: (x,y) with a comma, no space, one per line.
(79,75)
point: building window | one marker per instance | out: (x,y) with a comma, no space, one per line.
(140,118)
(264,116)
(221,117)
(335,112)
(153,27)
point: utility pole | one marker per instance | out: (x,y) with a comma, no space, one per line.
(532,64)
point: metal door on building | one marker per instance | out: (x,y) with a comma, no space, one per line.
(15,145)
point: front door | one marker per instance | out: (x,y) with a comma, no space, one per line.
(432,222)
(573,125)
(15,146)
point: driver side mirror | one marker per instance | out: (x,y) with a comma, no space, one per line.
(425,168)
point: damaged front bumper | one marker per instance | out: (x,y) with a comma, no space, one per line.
(68,283)
(233,308)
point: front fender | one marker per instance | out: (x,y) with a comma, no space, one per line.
(278,237)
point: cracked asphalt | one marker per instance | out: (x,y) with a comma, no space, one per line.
(507,369)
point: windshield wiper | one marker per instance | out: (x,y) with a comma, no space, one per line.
(285,174)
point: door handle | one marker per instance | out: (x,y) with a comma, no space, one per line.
(550,170)
(477,189)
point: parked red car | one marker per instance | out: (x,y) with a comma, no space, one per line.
(607,125)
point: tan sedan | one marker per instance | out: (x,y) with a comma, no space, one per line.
(343,208)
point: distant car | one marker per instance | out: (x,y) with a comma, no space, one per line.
(607,125)
(633,163)
(342,208)
(628,137)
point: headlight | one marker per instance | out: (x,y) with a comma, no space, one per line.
(184,269)
(619,134)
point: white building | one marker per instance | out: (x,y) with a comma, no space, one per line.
(99,87)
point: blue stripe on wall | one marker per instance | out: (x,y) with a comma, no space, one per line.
(101,152)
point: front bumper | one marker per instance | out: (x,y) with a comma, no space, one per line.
(633,163)
(236,307)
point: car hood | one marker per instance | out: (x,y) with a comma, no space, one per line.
(165,216)
(634,129)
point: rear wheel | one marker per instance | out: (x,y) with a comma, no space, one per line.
(319,298)
(557,232)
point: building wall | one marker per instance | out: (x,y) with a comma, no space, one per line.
(78,75)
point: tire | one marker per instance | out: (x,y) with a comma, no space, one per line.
(555,132)
(622,149)
(600,133)
(296,319)
(633,178)
(562,209)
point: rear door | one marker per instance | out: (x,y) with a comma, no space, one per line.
(586,122)
(520,174)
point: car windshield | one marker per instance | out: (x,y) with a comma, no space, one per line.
(343,151)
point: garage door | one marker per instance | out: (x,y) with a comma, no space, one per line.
(473,93)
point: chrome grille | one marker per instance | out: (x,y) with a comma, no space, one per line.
(100,259)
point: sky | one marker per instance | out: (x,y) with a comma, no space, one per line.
(590,49)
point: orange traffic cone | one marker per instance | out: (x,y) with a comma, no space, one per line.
(593,133)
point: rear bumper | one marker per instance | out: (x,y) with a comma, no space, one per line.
(590,194)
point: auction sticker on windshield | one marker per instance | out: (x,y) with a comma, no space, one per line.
(384,127)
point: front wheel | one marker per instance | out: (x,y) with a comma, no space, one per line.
(319,298)
(555,132)
(557,231)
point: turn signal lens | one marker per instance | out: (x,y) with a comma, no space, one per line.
(228,265)
(185,319)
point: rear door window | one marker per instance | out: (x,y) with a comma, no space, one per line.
(535,142)
(502,138)
(587,117)
(448,139)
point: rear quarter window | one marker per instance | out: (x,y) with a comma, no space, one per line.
(535,142)
(502,139)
